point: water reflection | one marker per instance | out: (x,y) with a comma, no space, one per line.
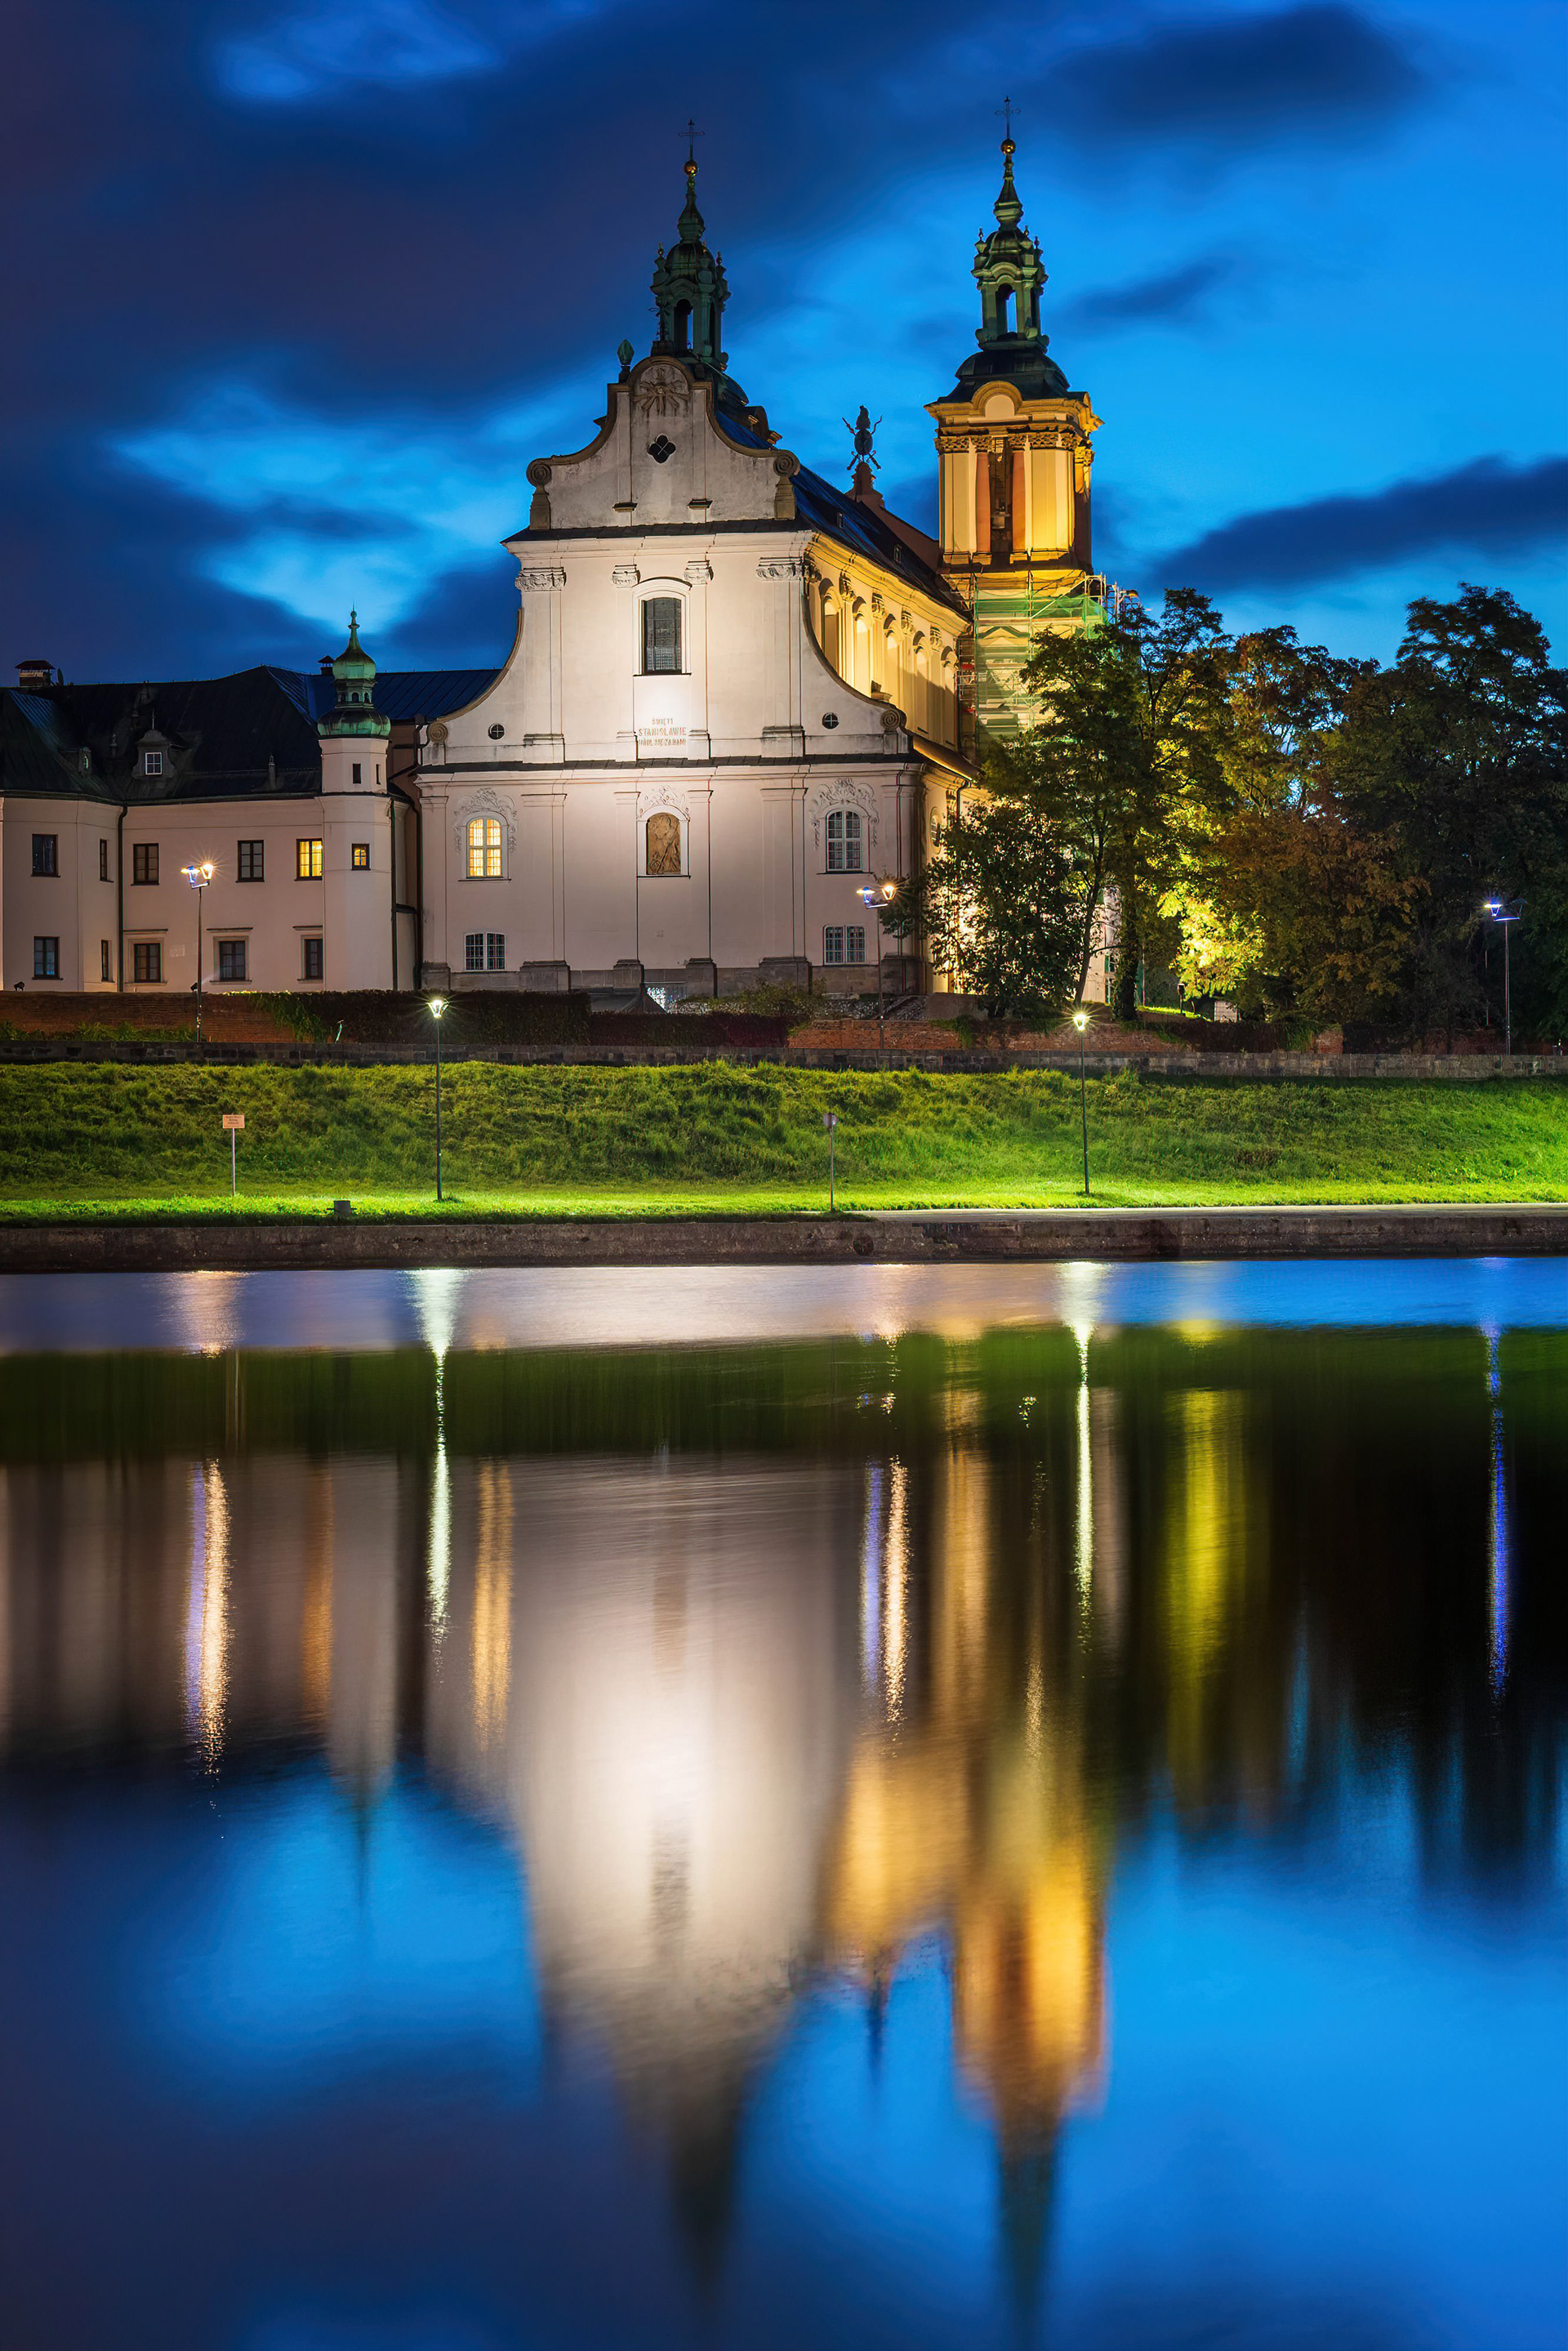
(776,1669)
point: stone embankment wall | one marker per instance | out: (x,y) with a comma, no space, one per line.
(1046,1236)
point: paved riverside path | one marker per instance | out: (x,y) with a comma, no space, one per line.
(901,1237)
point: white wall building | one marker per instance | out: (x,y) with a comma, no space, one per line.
(735,697)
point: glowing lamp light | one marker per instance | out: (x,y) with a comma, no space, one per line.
(1080,1021)
(436,1006)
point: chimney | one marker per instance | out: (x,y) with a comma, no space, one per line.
(32,676)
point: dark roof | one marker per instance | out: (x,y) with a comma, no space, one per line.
(838,516)
(225,736)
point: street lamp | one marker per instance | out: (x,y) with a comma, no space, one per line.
(878,895)
(198,877)
(1080,1022)
(436,1006)
(1505,911)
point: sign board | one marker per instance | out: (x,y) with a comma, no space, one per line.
(830,1118)
(234,1121)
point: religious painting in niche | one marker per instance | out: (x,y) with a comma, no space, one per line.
(664,843)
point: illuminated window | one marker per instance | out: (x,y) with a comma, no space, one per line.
(663,843)
(147,960)
(484,849)
(310,865)
(359,857)
(844,942)
(844,841)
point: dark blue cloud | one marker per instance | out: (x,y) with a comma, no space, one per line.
(1489,507)
(1237,81)
(1173,298)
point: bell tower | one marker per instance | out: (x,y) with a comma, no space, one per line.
(1014,459)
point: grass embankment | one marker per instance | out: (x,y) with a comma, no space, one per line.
(546,1140)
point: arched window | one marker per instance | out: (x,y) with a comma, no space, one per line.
(830,628)
(844,841)
(862,677)
(922,696)
(663,837)
(684,326)
(661,633)
(1004,310)
(484,849)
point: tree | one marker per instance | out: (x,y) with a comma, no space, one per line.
(1000,905)
(1285,901)
(1459,754)
(1125,758)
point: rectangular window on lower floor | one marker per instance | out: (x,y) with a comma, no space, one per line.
(312,967)
(46,959)
(231,958)
(105,959)
(484,951)
(844,942)
(147,960)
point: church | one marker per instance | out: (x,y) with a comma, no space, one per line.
(738,699)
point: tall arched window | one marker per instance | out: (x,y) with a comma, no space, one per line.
(844,841)
(862,677)
(921,712)
(684,326)
(484,849)
(661,633)
(1004,310)
(663,839)
(830,628)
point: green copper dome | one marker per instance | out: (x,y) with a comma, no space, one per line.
(355,710)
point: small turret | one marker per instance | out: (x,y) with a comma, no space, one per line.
(1011,276)
(690,291)
(355,710)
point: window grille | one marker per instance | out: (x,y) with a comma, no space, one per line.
(495,950)
(844,942)
(359,857)
(661,633)
(473,951)
(844,841)
(251,863)
(310,865)
(152,763)
(484,849)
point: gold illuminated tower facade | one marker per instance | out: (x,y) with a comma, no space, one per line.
(1014,458)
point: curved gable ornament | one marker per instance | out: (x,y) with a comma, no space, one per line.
(663,389)
(660,795)
(484,803)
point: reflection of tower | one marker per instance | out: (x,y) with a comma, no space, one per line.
(362,1718)
(976,1815)
(681,1648)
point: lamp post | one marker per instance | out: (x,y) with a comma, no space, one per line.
(437,1006)
(198,877)
(878,895)
(1080,1022)
(830,1120)
(1505,911)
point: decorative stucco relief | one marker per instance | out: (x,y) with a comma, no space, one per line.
(843,795)
(485,803)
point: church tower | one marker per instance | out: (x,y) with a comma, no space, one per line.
(1012,446)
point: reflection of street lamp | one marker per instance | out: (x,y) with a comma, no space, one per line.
(879,895)
(198,877)
(1506,911)
(1080,1022)
(436,1006)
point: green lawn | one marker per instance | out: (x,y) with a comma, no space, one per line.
(551,1140)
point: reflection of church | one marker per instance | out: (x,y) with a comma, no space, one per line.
(736,692)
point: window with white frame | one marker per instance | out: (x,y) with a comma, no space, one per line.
(484,951)
(484,849)
(844,841)
(152,763)
(844,942)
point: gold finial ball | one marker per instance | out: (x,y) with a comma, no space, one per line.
(1009,146)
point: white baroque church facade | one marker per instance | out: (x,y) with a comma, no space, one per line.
(737,697)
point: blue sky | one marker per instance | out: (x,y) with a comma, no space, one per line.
(298,291)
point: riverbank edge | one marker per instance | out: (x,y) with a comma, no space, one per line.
(894,1238)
